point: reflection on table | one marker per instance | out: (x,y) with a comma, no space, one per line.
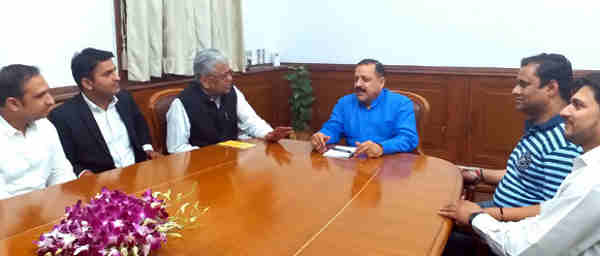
(272,199)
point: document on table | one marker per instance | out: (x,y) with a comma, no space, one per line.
(236,144)
(340,152)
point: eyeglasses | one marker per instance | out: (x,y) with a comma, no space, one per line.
(224,75)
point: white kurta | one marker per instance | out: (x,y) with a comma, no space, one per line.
(178,124)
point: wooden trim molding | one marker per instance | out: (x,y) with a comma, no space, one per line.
(62,93)
(425,70)
(66,92)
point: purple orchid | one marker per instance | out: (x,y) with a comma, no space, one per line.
(113,223)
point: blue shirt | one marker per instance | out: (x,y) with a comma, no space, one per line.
(389,122)
(537,166)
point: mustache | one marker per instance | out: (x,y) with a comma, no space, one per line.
(359,89)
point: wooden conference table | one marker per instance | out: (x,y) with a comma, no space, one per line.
(272,199)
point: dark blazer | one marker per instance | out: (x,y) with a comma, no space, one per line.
(81,138)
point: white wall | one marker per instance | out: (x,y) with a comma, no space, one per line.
(428,32)
(262,23)
(47,34)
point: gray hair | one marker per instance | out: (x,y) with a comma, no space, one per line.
(205,61)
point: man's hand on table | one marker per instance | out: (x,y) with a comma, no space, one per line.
(153,154)
(371,149)
(280,132)
(460,211)
(319,142)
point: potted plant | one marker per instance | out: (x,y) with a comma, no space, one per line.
(301,101)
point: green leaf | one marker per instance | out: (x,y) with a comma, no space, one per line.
(293,76)
(308,115)
(296,96)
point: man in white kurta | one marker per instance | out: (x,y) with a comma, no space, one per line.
(178,131)
(567,224)
(213,110)
(32,157)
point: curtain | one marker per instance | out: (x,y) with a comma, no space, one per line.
(144,43)
(162,36)
(227,31)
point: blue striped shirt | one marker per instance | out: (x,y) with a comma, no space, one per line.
(537,166)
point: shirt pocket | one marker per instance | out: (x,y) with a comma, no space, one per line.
(14,169)
(350,130)
(533,176)
(34,165)
(385,129)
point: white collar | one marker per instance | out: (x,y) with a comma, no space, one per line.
(7,129)
(588,158)
(94,107)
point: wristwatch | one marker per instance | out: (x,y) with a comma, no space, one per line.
(472,216)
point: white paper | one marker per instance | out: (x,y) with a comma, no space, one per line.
(345,148)
(340,152)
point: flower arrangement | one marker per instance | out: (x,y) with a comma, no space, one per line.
(117,224)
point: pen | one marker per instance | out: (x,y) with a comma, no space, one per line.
(344,150)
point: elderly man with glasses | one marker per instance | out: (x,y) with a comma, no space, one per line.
(211,109)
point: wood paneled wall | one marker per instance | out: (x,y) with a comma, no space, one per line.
(473,119)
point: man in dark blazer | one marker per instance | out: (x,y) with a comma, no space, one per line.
(101,128)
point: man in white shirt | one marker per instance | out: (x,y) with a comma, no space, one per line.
(568,223)
(32,157)
(102,128)
(211,110)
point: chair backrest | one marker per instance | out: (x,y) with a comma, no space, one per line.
(421,107)
(159,105)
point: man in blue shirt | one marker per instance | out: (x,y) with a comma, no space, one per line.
(373,118)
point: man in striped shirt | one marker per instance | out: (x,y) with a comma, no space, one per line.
(567,224)
(543,157)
